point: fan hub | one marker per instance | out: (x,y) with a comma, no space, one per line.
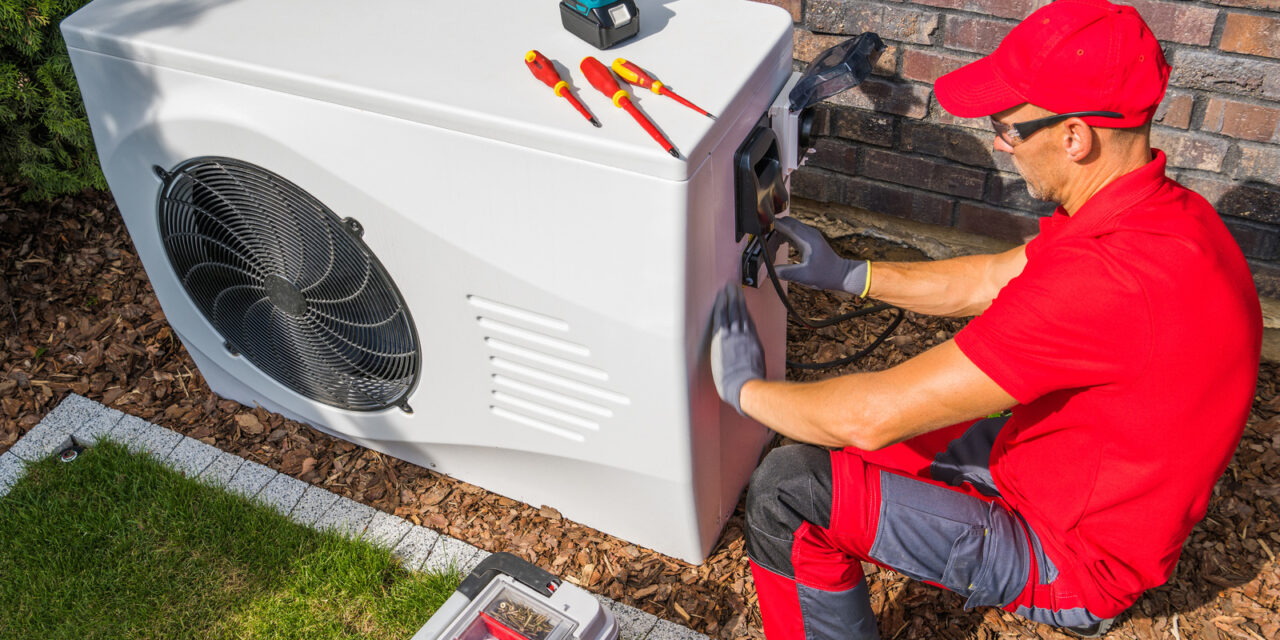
(285,296)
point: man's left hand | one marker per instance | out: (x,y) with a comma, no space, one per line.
(736,353)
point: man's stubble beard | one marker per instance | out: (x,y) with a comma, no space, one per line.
(1034,189)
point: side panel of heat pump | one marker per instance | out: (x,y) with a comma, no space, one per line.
(549,295)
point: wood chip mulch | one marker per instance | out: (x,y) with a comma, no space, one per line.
(77,315)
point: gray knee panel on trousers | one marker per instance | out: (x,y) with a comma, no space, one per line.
(791,486)
(974,548)
(837,615)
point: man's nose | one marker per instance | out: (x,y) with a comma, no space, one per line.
(1000,145)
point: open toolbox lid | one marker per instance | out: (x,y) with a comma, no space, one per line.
(460,65)
(506,598)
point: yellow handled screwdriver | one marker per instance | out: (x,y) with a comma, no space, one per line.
(633,74)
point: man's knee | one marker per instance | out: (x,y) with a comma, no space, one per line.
(791,486)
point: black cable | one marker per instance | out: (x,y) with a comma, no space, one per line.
(884,335)
(826,322)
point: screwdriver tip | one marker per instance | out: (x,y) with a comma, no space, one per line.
(596,123)
(711,116)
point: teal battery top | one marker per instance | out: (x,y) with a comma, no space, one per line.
(585,6)
(603,23)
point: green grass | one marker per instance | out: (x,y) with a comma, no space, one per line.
(114,545)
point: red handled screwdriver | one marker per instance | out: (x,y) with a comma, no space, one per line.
(633,74)
(546,72)
(600,78)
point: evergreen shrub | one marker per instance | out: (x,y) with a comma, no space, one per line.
(45,142)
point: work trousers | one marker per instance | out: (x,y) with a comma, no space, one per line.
(926,508)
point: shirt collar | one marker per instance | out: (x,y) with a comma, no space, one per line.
(1098,215)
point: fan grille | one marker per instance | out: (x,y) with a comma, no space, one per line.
(288,284)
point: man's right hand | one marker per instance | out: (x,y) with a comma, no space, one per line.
(819,266)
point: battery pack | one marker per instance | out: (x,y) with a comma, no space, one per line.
(604,26)
(506,598)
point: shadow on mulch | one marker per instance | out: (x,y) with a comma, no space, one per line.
(77,315)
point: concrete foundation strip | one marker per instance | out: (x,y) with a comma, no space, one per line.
(419,548)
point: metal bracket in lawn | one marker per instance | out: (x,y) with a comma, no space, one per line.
(70,450)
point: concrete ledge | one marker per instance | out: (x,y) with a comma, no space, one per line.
(346,518)
(250,478)
(451,554)
(633,624)
(418,548)
(220,471)
(668,630)
(387,530)
(191,456)
(314,502)
(98,427)
(282,493)
(143,437)
(53,432)
(11,468)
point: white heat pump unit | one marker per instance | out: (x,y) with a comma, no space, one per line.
(372,218)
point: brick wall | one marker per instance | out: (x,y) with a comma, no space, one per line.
(889,147)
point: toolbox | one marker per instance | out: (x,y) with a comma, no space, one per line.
(506,598)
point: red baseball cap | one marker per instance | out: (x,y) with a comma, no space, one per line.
(1070,55)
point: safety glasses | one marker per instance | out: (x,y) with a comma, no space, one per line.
(1016,132)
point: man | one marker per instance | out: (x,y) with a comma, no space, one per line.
(1124,339)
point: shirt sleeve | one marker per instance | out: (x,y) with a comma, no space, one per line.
(1073,318)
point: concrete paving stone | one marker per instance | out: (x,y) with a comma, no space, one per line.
(81,417)
(191,456)
(157,441)
(222,469)
(451,553)
(346,518)
(283,493)
(100,426)
(141,436)
(313,504)
(11,469)
(56,428)
(633,624)
(416,546)
(41,441)
(128,430)
(250,478)
(668,630)
(387,530)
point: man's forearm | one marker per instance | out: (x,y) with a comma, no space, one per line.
(963,286)
(935,389)
(813,412)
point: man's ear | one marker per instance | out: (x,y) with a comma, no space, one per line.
(1077,139)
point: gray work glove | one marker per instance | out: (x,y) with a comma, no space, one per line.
(819,266)
(736,354)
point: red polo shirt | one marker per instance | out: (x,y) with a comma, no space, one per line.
(1131,341)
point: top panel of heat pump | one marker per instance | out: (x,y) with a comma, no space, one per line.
(459,64)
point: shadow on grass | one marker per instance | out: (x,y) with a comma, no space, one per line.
(114,545)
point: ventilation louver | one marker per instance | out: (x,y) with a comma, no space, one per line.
(288,284)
